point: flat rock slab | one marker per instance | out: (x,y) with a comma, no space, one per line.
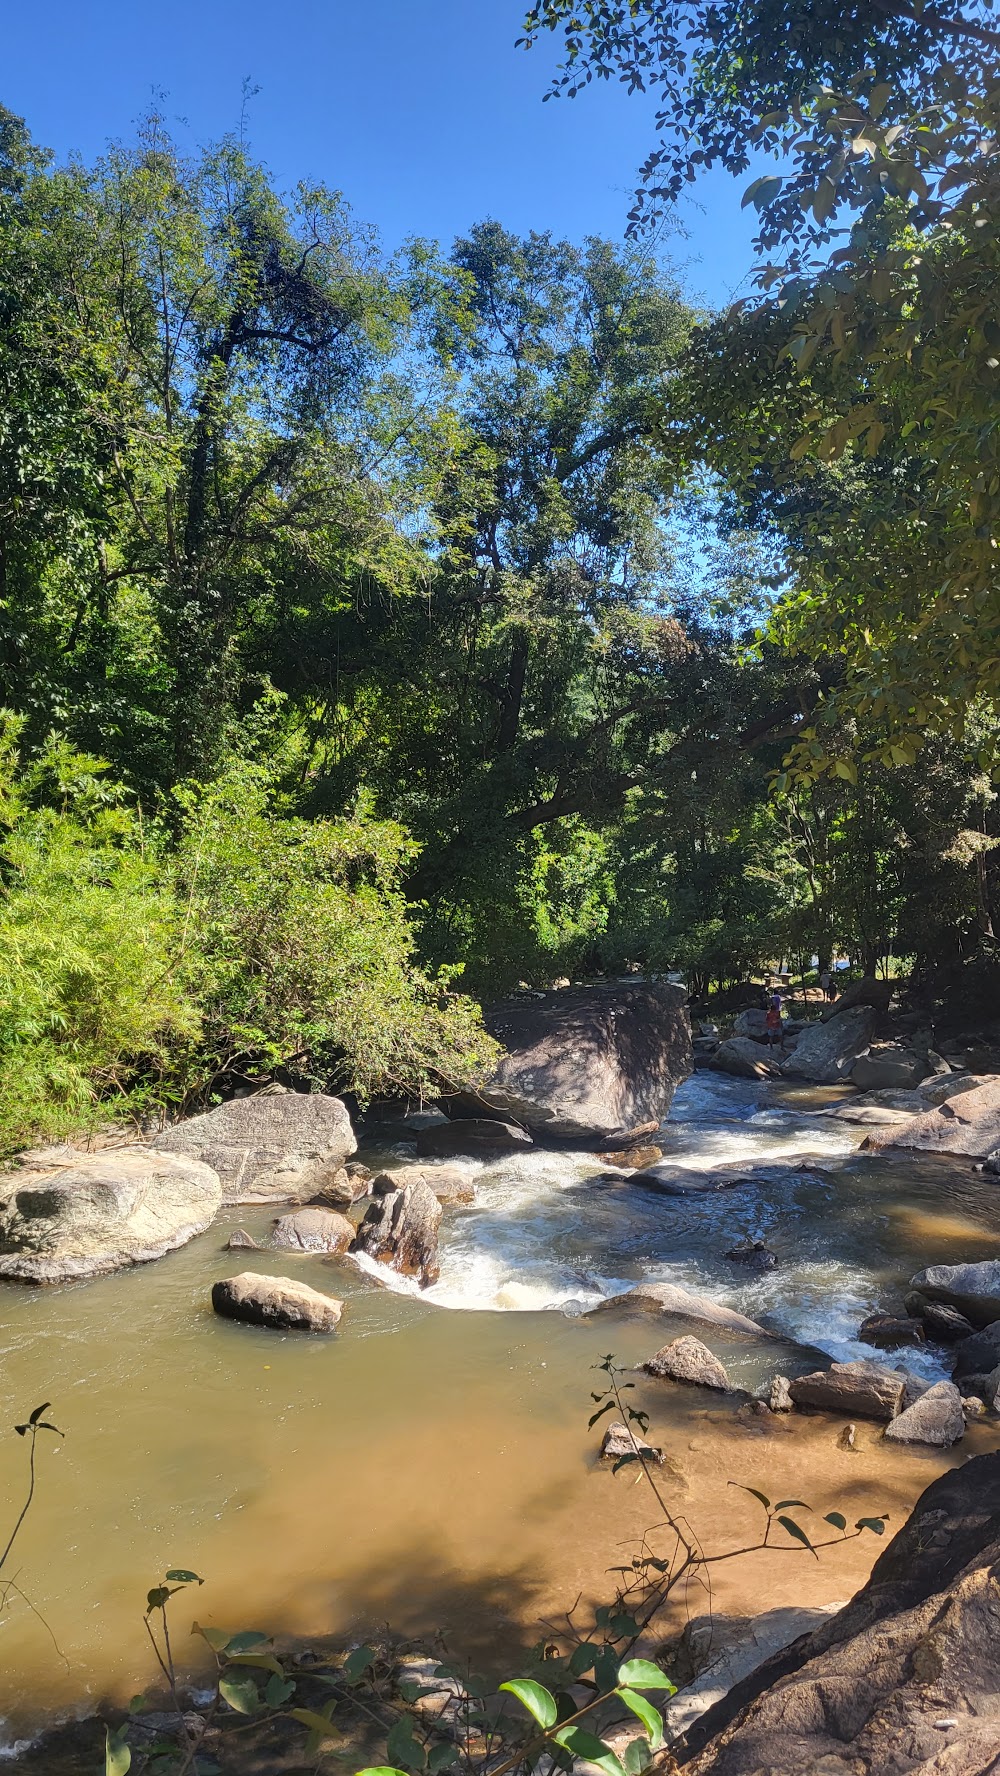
(973,1288)
(589,1063)
(681,1304)
(856,1390)
(268,1147)
(936,1418)
(88,1213)
(476,1136)
(826,1052)
(276,1302)
(450,1183)
(688,1360)
(313,1230)
(967,1123)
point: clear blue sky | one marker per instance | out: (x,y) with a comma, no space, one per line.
(421,111)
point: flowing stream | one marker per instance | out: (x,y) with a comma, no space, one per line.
(431,1466)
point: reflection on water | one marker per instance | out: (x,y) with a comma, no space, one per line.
(432,1467)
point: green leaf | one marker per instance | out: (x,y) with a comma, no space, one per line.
(539,1702)
(601,1410)
(278,1690)
(792,1528)
(642,1674)
(261,1661)
(179,1575)
(356,1664)
(240,1693)
(441,1757)
(117,1756)
(242,1642)
(317,1722)
(586,1745)
(761,192)
(838,1521)
(791,1505)
(875,1524)
(217,1638)
(403,1747)
(382,1770)
(637,1755)
(582,1657)
(650,1717)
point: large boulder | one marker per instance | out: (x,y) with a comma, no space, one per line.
(752,1023)
(313,1230)
(277,1302)
(67,1214)
(681,1304)
(744,1057)
(273,1146)
(590,1063)
(936,1418)
(826,1052)
(687,1359)
(979,1353)
(401,1229)
(450,1183)
(890,1066)
(478,1137)
(857,1390)
(973,1288)
(903,1681)
(967,1123)
(871,992)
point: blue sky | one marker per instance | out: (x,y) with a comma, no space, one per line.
(421,111)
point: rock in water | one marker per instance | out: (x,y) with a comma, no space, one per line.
(937,1418)
(752,1252)
(826,1052)
(979,1354)
(863,1390)
(590,1063)
(973,1288)
(779,1398)
(873,993)
(313,1230)
(903,1679)
(967,1123)
(273,1146)
(478,1136)
(942,1323)
(890,1066)
(241,1241)
(450,1183)
(745,1059)
(85,1213)
(401,1229)
(681,1304)
(277,1302)
(888,1331)
(343,1188)
(618,1440)
(687,1359)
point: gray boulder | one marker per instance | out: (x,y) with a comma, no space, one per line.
(779,1397)
(888,1331)
(276,1302)
(478,1137)
(968,1122)
(940,1087)
(343,1188)
(943,1323)
(873,993)
(889,1066)
(978,1354)
(70,1214)
(450,1183)
(313,1230)
(936,1418)
(858,1390)
(687,1359)
(590,1063)
(826,1052)
(401,1229)
(744,1058)
(973,1288)
(681,1304)
(273,1146)
(752,1023)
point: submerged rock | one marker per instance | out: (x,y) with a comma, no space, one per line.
(860,1389)
(241,1241)
(754,1253)
(277,1302)
(618,1440)
(973,1288)
(687,1359)
(345,1187)
(401,1229)
(634,1158)
(480,1137)
(590,1063)
(826,1052)
(888,1331)
(273,1146)
(70,1214)
(681,1304)
(935,1418)
(313,1230)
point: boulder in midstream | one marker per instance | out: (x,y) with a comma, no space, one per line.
(669,1299)
(863,1390)
(688,1360)
(401,1229)
(277,1302)
(313,1230)
(271,1146)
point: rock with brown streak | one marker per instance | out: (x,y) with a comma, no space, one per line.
(863,1390)
(313,1230)
(277,1302)
(401,1229)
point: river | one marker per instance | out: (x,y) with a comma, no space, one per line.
(430,1466)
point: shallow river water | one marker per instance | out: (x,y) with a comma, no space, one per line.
(431,1466)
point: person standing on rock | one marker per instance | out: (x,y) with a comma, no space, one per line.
(825,983)
(772,1021)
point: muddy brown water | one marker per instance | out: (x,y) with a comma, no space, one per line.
(430,1466)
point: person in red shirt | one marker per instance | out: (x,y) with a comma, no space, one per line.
(772,1022)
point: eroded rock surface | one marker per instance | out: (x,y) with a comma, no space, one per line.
(968,1122)
(857,1390)
(313,1230)
(277,1302)
(973,1288)
(826,1052)
(273,1146)
(687,1359)
(69,1214)
(681,1304)
(401,1228)
(936,1418)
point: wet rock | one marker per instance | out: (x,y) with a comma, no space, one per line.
(973,1288)
(450,1183)
(681,1304)
(632,1157)
(938,1089)
(967,1123)
(935,1418)
(70,1214)
(679,1180)
(313,1230)
(827,1052)
(687,1359)
(590,1062)
(479,1137)
(888,1331)
(618,1440)
(719,1651)
(972,1407)
(272,1146)
(401,1229)
(240,1241)
(744,1058)
(868,1692)
(985,1388)
(276,1302)
(779,1398)
(889,1066)
(753,1253)
(346,1186)
(944,1324)
(875,995)
(861,1389)
(979,1354)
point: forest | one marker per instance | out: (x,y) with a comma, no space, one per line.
(379,632)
